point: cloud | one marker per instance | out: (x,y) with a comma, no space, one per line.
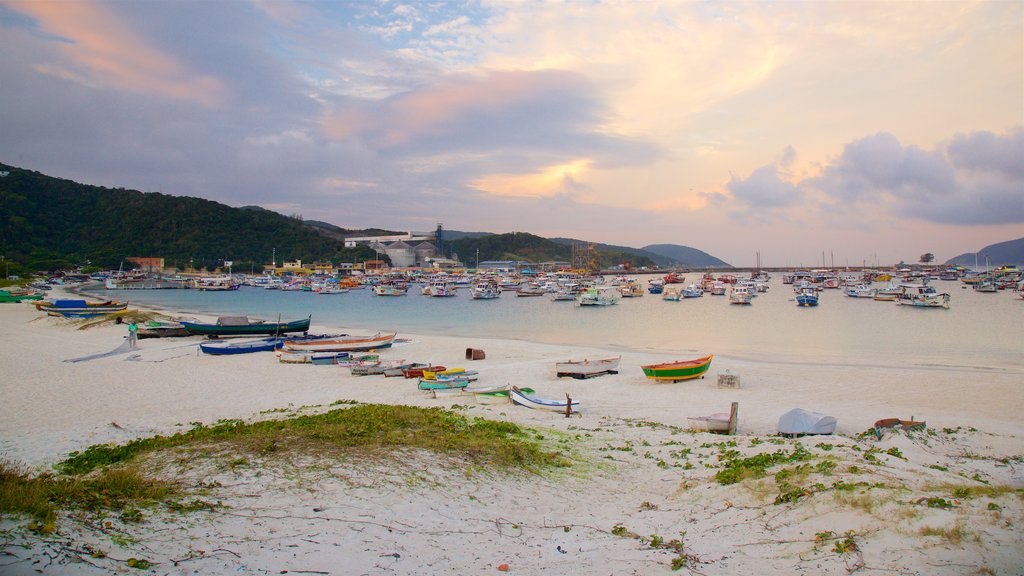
(974,179)
(765,189)
(100,47)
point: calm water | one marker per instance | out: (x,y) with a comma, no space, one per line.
(979,330)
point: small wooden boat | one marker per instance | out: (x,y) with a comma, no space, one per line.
(242,326)
(219,348)
(319,358)
(430,385)
(583,369)
(416,371)
(517,396)
(343,344)
(159,329)
(79,308)
(681,370)
(378,367)
(19,296)
(499,397)
(439,392)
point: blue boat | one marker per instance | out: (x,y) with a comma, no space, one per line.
(219,348)
(807,297)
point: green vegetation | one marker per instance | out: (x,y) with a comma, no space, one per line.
(41,496)
(48,223)
(737,469)
(530,248)
(362,427)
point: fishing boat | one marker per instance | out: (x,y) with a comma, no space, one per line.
(19,295)
(417,370)
(221,348)
(485,292)
(518,396)
(583,369)
(807,297)
(343,343)
(597,297)
(242,326)
(79,308)
(530,290)
(563,296)
(680,370)
(631,289)
(671,294)
(162,329)
(378,367)
(693,291)
(673,278)
(740,294)
(499,397)
(921,296)
(656,286)
(389,290)
(441,392)
(860,291)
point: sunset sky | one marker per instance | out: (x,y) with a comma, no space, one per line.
(870,132)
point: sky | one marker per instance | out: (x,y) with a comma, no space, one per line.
(859,132)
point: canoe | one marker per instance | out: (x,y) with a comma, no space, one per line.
(416,371)
(157,329)
(581,369)
(241,326)
(343,344)
(681,370)
(319,358)
(249,346)
(447,384)
(79,308)
(523,399)
(439,392)
(15,296)
(377,368)
(500,397)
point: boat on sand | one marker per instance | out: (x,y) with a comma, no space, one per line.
(679,370)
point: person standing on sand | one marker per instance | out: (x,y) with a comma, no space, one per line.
(133,333)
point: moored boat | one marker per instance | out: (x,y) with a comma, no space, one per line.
(679,370)
(807,297)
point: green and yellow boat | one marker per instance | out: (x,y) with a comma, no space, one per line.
(680,370)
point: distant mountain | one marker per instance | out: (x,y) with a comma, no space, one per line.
(687,256)
(658,259)
(457,235)
(1009,253)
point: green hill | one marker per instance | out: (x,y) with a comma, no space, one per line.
(50,223)
(530,248)
(686,256)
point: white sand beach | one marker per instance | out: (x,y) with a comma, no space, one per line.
(636,476)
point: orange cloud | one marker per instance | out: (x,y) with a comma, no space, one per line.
(422,112)
(547,182)
(113,53)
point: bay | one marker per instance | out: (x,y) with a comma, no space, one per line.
(979,331)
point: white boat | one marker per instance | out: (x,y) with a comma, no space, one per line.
(439,290)
(692,291)
(562,296)
(582,369)
(597,297)
(389,290)
(860,291)
(519,397)
(921,296)
(740,294)
(485,292)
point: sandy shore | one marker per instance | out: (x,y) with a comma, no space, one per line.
(633,466)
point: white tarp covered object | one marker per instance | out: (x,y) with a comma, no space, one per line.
(799,421)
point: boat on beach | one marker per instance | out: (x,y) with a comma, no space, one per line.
(342,343)
(243,326)
(226,348)
(679,370)
(520,397)
(19,295)
(499,397)
(583,369)
(79,308)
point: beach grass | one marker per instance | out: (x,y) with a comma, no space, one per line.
(365,427)
(41,496)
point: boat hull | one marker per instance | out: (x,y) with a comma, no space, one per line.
(268,328)
(678,371)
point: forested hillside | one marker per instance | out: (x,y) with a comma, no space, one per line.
(531,248)
(49,223)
